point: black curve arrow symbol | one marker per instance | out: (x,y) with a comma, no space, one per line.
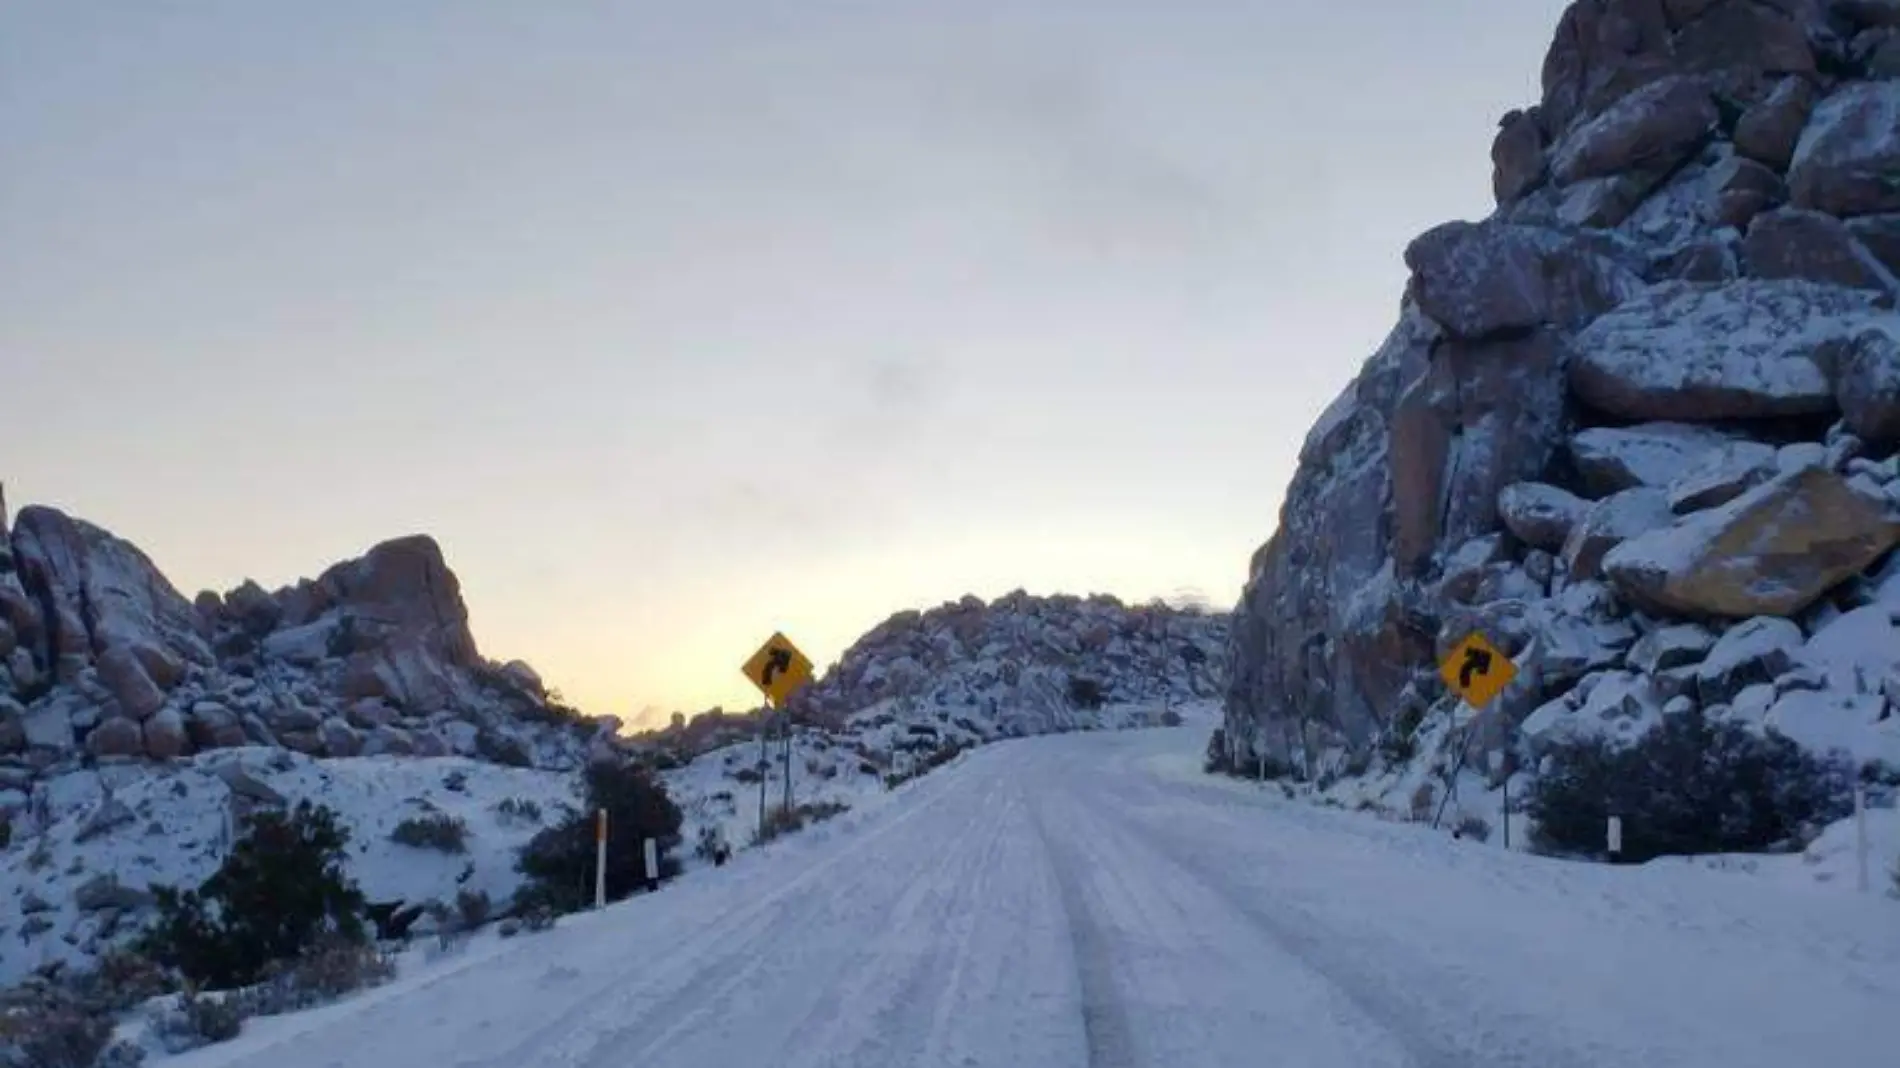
(778,662)
(1477,662)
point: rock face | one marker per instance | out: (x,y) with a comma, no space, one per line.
(1690,277)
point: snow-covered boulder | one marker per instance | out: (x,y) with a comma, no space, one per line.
(1771,551)
(1741,350)
(1757,651)
(1611,522)
(1613,459)
(1769,129)
(1815,246)
(1540,515)
(1484,279)
(1866,372)
(1655,126)
(1849,152)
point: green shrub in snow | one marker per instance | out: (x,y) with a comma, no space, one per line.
(1689,786)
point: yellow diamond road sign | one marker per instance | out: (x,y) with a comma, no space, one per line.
(779,669)
(1476,670)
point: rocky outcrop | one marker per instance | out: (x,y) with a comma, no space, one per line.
(105,660)
(1691,274)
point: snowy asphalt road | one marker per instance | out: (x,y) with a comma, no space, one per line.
(1085,901)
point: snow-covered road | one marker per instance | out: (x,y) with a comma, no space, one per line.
(1088,900)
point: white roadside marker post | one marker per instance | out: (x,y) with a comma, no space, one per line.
(1860,838)
(600,860)
(1616,839)
(653,864)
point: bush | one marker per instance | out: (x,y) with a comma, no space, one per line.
(6,830)
(328,969)
(56,1033)
(1473,827)
(1170,718)
(198,1021)
(439,831)
(518,810)
(1690,786)
(281,891)
(472,908)
(122,979)
(779,821)
(1217,755)
(559,861)
(712,845)
(1085,692)
(505,749)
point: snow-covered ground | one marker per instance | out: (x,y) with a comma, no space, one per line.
(1090,899)
(173,826)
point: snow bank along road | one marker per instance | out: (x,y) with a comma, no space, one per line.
(1084,900)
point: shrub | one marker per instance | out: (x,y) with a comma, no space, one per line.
(712,844)
(1217,755)
(281,890)
(198,1020)
(6,830)
(1474,827)
(1085,692)
(472,908)
(559,861)
(328,969)
(1170,718)
(779,821)
(1689,786)
(438,831)
(121,979)
(498,748)
(518,810)
(820,811)
(748,775)
(55,1033)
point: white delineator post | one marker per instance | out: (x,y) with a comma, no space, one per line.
(1860,838)
(600,860)
(653,864)
(1616,839)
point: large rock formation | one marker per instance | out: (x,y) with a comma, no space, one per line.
(1666,361)
(101,658)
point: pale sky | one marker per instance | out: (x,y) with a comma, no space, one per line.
(680,323)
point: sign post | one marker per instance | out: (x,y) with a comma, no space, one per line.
(779,670)
(600,859)
(1477,671)
(1860,838)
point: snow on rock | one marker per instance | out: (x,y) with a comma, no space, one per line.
(1771,551)
(1611,522)
(1856,652)
(1613,459)
(1483,279)
(1756,651)
(1722,475)
(1849,152)
(1619,706)
(1740,350)
(1540,515)
(1028,664)
(1674,646)
(1815,246)
(1866,372)
(1769,129)
(1655,126)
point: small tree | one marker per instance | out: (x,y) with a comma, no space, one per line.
(282,889)
(559,861)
